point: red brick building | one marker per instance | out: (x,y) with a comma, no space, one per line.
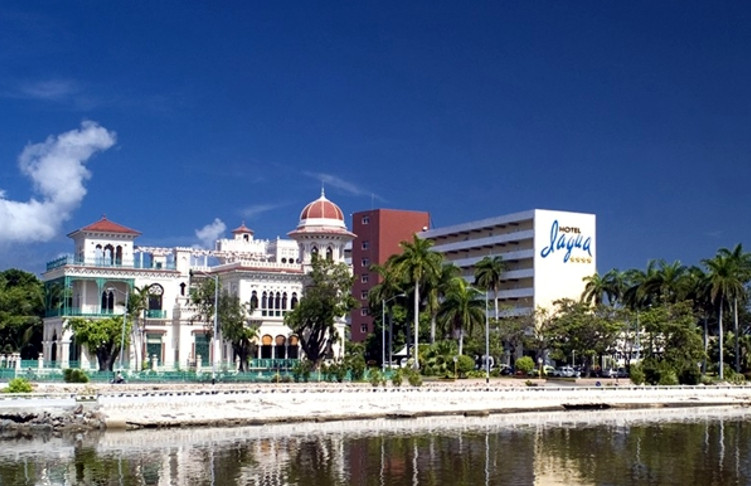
(379,232)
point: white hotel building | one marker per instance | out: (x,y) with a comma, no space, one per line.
(107,265)
(547,254)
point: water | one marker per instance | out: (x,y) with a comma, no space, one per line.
(647,447)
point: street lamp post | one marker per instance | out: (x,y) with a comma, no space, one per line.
(383,331)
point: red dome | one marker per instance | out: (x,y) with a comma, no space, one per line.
(322,208)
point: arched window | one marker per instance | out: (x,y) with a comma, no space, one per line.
(293,302)
(254,301)
(278,301)
(119,255)
(284,301)
(108,301)
(156,292)
(314,251)
(182,289)
(329,254)
(264,304)
(109,252)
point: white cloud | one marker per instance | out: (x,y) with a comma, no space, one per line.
(55,89)
(57,169)
(210,233)
(339,183)
(252,211)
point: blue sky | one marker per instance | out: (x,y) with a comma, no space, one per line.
(180,118)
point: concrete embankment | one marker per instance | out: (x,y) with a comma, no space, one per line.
(223,405)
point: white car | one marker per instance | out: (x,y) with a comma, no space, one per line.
(566,372)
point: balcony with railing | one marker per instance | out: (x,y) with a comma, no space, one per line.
(92,312)
(147,264)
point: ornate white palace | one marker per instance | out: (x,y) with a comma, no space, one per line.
(107,267)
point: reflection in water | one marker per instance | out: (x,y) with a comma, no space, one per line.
(698,446)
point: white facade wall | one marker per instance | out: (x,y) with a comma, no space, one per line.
(535,276)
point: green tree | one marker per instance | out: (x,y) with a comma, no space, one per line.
(326,298)
(237,328)
(671,343)
(21,312)
(742,263)
(203,297)
(461,309)
(417,265)
(588,332)
(594,289)
(101,337)
(436,290)
(724,283)
(489,275)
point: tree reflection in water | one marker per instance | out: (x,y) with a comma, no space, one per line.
(708,447)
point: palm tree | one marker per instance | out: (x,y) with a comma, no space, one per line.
(138,304)
(699,294)
(742,263)
(594,289)
(389,287)
(462,308)
(436,290)
(724,283)
(667,283)
(488,273)
(417,265)
(614,286)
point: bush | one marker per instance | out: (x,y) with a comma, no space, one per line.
(356,366)
(690,376)
(413,377)
(301,371)
(464,364)
(668,378)
(375,377)
(74,375)
(637,375)
(18,385)
(525,364)
(397,378)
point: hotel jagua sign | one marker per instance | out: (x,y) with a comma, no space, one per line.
(569,240)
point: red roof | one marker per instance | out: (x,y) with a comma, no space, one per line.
(104,225)
(322,208)
(242,229)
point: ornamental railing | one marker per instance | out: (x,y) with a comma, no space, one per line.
(66,260)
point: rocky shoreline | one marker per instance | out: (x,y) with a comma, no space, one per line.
(30,423)
(56,410)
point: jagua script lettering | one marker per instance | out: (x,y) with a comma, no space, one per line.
(567,238)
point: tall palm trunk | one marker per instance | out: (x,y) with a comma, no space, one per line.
(417,322)
(737,337)
(706,344)
(461,340)
(721,374)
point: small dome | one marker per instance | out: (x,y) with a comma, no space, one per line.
(242,229)
(322,209)
(321,217)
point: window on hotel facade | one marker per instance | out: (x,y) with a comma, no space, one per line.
(365,262)
(365,245)
(364,294)
(366,220)
(364,278)
(363,312)
(364,328)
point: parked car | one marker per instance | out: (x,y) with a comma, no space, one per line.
(565,372)
(506,370)
(607,373)
(622,373)
(547,370)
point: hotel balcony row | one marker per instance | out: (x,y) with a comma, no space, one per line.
(146,263)
(99,313)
